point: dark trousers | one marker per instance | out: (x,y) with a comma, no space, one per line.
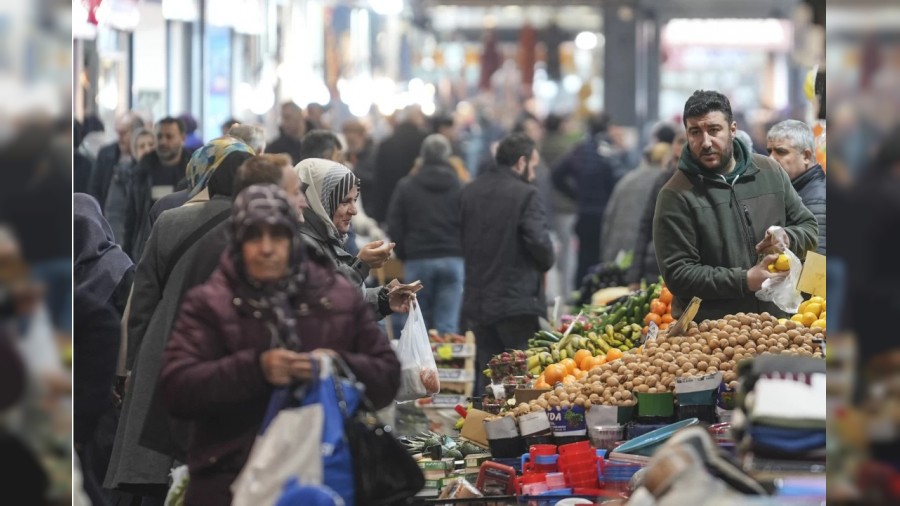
(505,334)
(587,228)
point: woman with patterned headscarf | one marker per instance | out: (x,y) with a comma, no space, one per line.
(331,191)
(200,168)
(255,325)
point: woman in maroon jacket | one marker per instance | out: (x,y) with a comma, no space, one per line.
(251,327)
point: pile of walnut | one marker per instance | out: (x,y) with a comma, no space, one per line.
(707,348)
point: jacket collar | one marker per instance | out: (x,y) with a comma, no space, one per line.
(813,173)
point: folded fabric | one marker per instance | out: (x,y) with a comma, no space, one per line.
(785,439)
(798,399)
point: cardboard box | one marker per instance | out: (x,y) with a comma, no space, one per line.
(473,428)
(529,394)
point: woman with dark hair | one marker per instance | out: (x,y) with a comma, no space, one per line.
(255,325)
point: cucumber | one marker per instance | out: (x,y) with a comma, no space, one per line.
(547,336)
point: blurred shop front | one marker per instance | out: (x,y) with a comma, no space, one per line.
(637,59)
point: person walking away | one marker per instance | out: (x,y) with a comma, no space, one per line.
(558,142)
(621,221)
(241,333)
(791,143)
(644,265)
(394,159)
(506,249)
(588,174)
(713,217)
(424,221)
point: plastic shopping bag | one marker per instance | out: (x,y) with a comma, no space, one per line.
(419,375)
(783,291)
(290,447)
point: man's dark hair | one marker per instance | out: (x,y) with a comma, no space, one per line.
(440,121)
(664,132)
(318,143)
(553,122)
(519,125)
(260,169)
(169,120)
(598,123)
(513,147)
(228,123)
(703,102)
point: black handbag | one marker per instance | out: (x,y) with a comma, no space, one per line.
(385,473)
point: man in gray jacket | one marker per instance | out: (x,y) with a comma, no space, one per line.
(791,143)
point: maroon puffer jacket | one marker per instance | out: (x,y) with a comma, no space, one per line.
(211,372)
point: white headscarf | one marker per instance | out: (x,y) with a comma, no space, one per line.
(327,183)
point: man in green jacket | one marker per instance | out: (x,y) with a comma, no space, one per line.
(712,217)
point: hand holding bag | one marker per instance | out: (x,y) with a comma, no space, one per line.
(385,473)
(418,374)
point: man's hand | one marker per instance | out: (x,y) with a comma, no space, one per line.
(376,253)
(281,366)
(775,241)
(760,272)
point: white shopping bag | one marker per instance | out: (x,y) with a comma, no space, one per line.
(418,375)
(783,291)
(289,448)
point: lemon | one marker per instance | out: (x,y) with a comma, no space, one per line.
(802,308)
(797,318)
(817,299)
(823,304)
(772,268)
(818,323)
(782,264)
(822,315)
(809,318)
(814,307)
(782,321)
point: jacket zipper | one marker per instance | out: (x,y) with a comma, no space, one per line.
(744,226)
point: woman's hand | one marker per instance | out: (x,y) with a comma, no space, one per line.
(281,367)
(376,253)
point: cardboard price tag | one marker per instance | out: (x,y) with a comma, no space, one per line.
(698,383)
(686,317)
(812,278)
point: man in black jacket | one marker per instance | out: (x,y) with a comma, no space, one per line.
(394,158)
(791,144)
(156,175)
(291,131)
(507,248)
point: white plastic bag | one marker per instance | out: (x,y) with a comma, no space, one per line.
(783,291)
(418,374)
(284,451)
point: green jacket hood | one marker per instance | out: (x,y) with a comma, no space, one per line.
(742,157)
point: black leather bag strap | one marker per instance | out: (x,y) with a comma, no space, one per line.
(191,239)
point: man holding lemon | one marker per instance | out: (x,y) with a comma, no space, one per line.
(725,216)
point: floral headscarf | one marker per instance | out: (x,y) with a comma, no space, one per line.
(207,159)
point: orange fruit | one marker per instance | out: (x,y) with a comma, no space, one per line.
(663,326)
(580,355)
(667,318)
(645,329)
(652,317)
(613,354)
(569,364)
(658,307)
(554,373)
(665,296)
(569,379)
(598,361)
(586,364)
(541,385)
(582,375)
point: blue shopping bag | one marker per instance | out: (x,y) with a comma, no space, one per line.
(339,398)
